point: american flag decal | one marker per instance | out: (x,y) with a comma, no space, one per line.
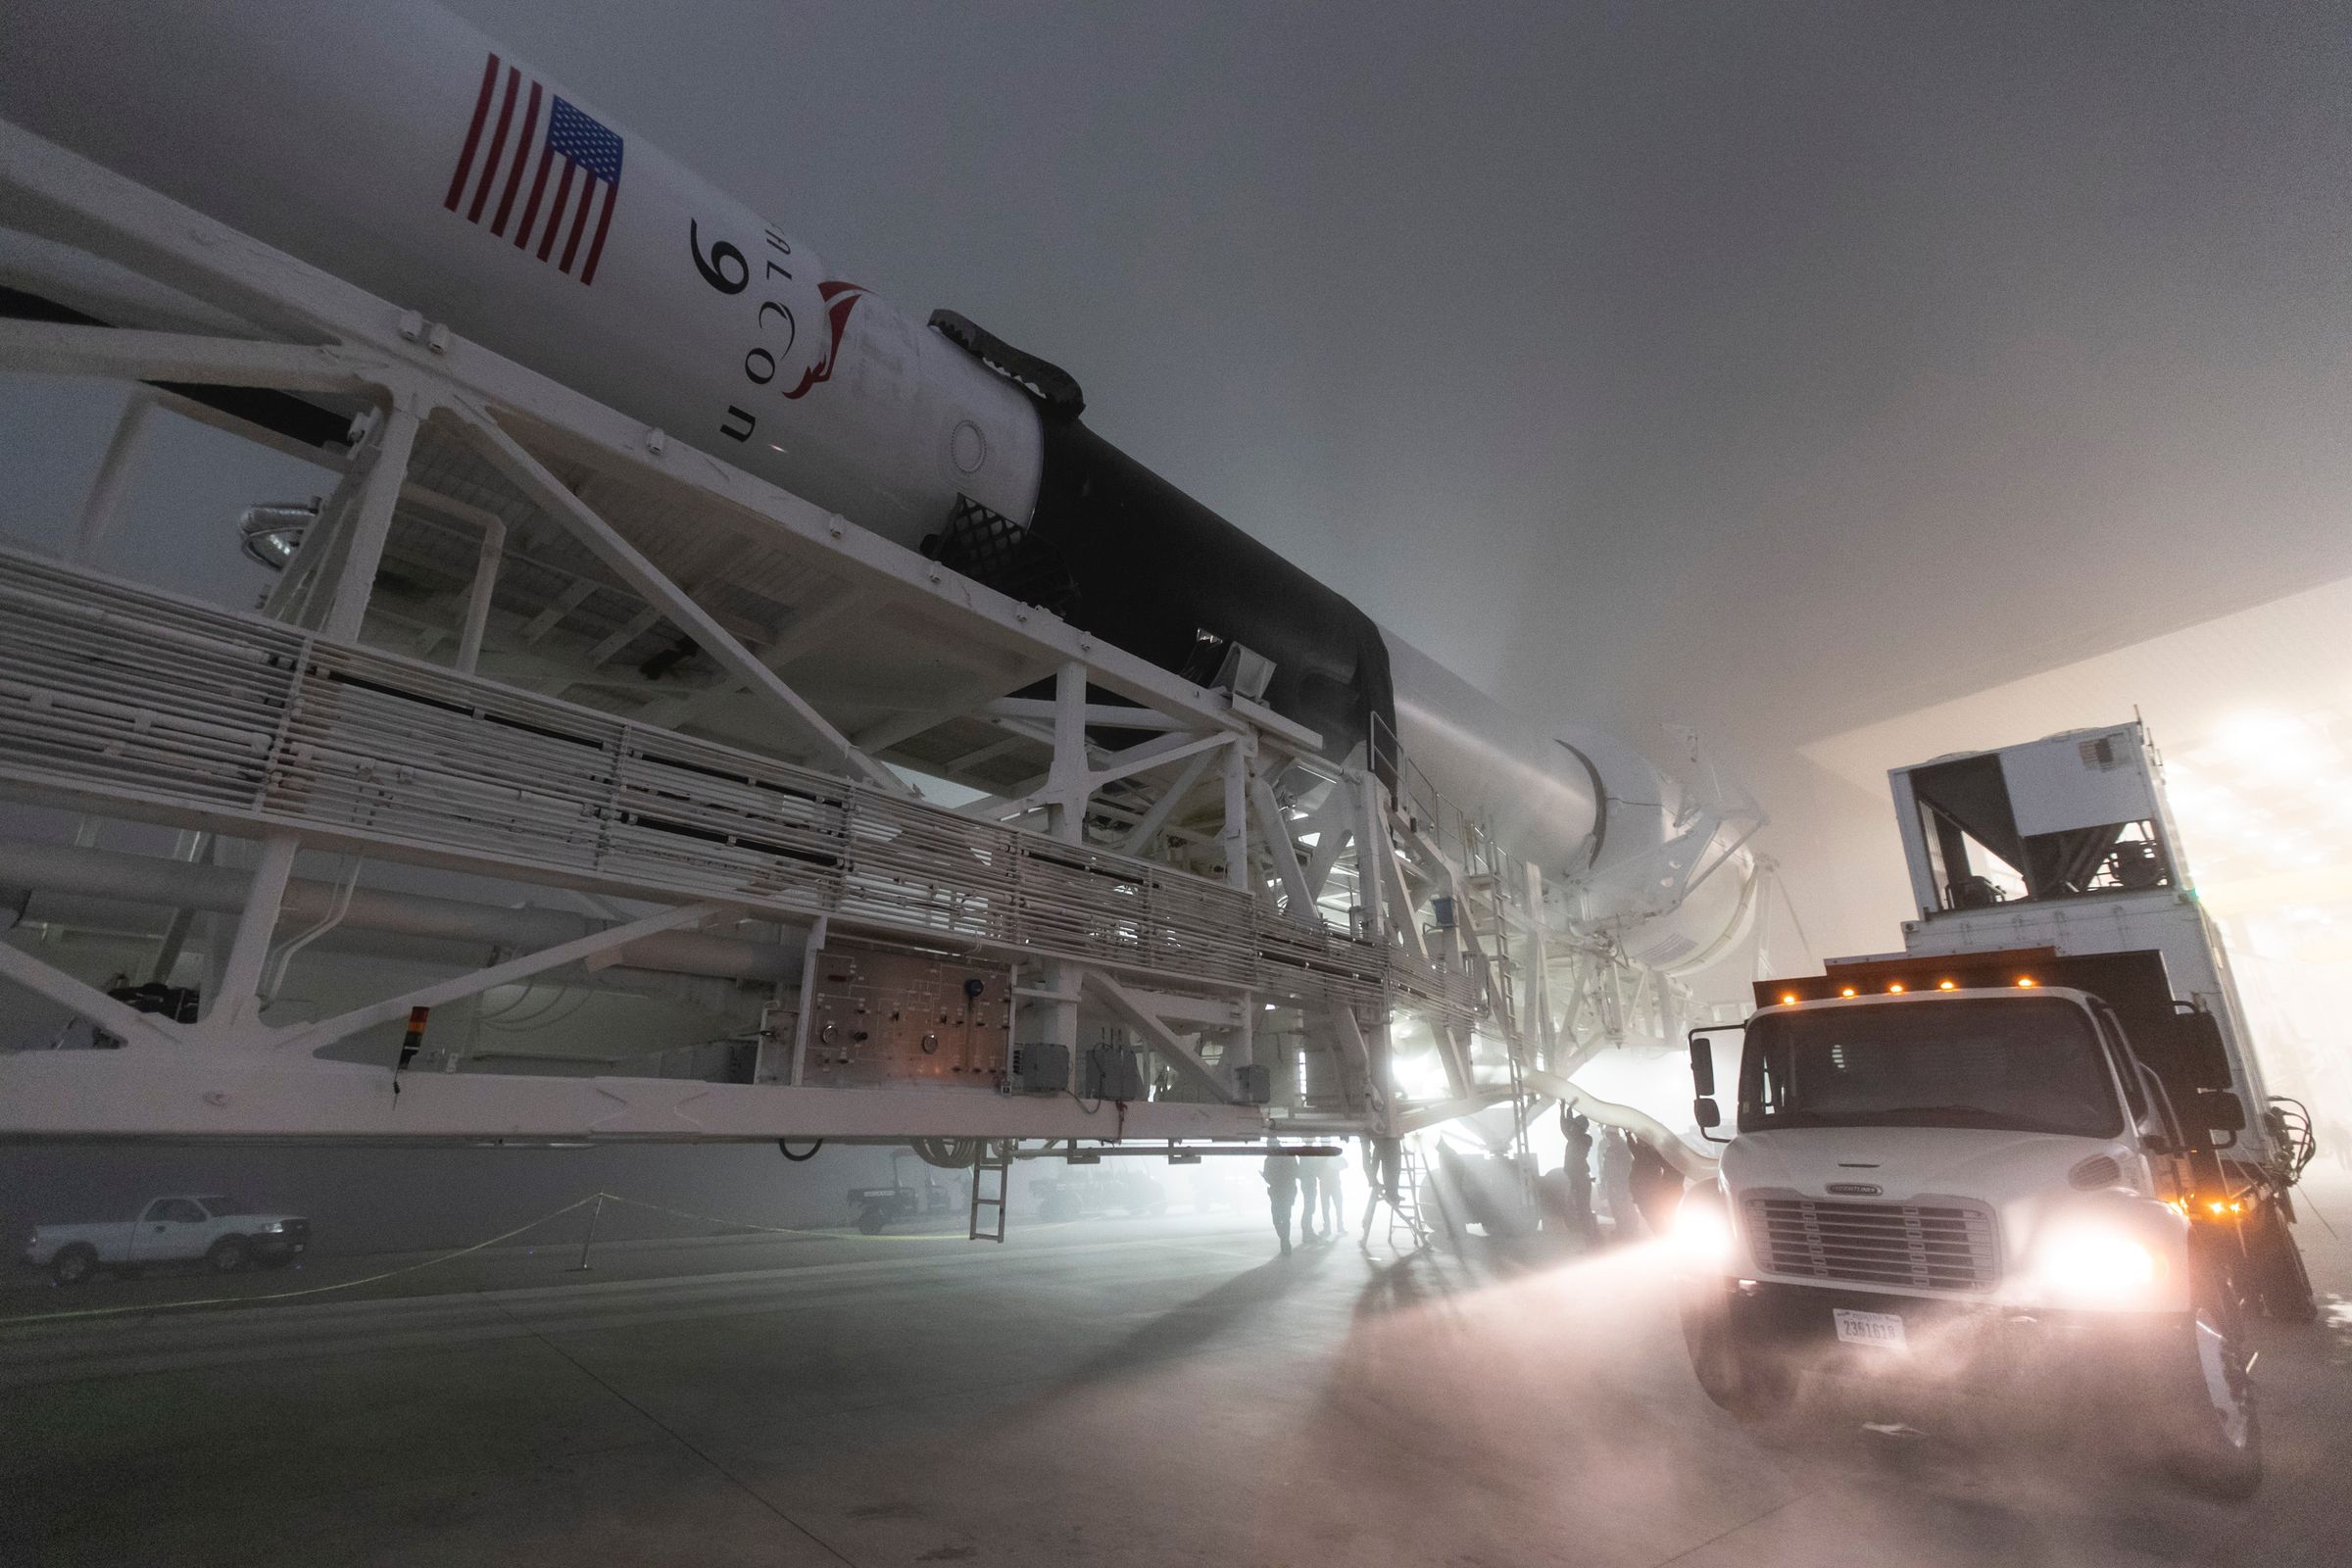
(524,147)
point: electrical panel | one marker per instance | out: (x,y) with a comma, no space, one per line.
(884,1016)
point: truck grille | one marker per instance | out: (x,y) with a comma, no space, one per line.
(1925,1246)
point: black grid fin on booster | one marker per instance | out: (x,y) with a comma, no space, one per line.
(996,552)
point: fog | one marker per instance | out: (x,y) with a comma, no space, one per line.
(1774,369)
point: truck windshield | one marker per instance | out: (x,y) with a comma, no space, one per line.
(2022,1066)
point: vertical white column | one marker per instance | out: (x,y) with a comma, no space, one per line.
(1371,855)
(477,597)
(1067,779)
(235,1002)
(807,1010)
(1234,839)
(387,461)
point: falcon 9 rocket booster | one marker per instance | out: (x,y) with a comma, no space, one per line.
(396,147)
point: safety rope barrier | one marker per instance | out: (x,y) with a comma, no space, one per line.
(788,1230)
(154,1308)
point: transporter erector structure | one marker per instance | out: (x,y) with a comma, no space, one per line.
(793,698)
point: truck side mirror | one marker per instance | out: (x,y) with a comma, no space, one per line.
(1702,1056)
(1703,1110)
(2199,1042)
(2224,1112)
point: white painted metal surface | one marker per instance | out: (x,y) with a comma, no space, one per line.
(341,135)
(1203,876)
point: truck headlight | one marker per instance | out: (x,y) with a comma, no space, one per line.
(2097,1263)
(1702,1233)
(273,1225)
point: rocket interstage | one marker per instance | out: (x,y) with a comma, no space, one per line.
(397,148)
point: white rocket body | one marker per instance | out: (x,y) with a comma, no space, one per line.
(337,133)
(397,148)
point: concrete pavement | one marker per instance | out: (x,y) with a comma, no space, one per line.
(1109,1392)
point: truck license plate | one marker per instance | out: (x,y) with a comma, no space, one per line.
(1868,1328)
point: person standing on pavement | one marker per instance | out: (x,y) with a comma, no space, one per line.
(1657,1187)
(1576,1166)
(1281,1175)
(1380,1176)
(1616,1184)
(1310,1183)
(1327,1190)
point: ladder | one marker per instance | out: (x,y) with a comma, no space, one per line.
(1523,1158)
(1485,919)
(991,1159)
(1404,1196)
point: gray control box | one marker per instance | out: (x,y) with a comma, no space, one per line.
(1113,1072)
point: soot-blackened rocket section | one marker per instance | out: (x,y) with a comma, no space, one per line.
(1123,555)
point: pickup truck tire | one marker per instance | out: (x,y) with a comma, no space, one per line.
(74,1264)
(2215,1446)
(872,1219)
(229,1255)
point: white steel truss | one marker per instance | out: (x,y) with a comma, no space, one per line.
(528,640)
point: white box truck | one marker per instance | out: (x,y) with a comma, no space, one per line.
(2018,1154)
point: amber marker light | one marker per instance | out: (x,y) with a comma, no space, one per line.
(1895,987)
(1789,998)
(2026,980)
(1848,992)
(1947,985)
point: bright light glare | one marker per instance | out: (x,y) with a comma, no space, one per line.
(2268,744)
(2093,1264)
(1702,1233)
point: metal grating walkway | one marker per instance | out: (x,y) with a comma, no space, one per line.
(169,709)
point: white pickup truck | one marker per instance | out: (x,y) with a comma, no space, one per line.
(206,1226)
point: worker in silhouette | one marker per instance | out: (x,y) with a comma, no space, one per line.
(1282,1189)
(1575,1189)
(1310,1187)
(1616,1184)
(1326,1205)
(1380,1175)
(1657,1187)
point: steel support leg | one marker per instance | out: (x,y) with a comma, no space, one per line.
(395,440)
(105,500)
(236,1003)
